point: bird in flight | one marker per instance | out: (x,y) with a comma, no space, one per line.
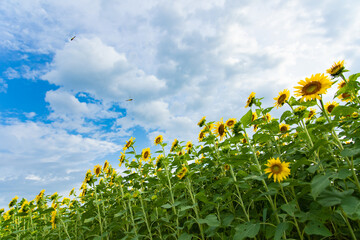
(130,99)
(73,38)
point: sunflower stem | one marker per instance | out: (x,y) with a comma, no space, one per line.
(98,210)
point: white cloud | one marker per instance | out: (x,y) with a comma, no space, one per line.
(3,85)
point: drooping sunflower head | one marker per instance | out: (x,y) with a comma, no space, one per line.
(72,191)
(355,115)
(219,130)
(121,159)
(182,172)
(106,165)
(55,195)
(145,154)
(88,176)
(279,170)
(97,170)
(202,121)
(311,88)
(336,69)
(284,128)
(282,98)
(345,97)
(40,196)
(128,144)
(13,201)
(329,106)
(250,99)
(158,140)
(174,145)
(230,122)
(300,111)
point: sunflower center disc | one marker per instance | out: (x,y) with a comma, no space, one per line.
(221,129)
(283,129)
(330,108)
(276,169)
(281,99)
(346,95)
(146,154)
(312,88)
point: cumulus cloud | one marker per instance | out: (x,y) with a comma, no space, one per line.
(3,85)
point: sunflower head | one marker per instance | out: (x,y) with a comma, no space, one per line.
(145,155)
(53,219)
(230,122)
(40,196)
(345,97)
(88,176)
(250,100)
(329,106)
(202,122)
(128,144)
(282,98)
(219,130)
(202,134)
(226,167)
(336,69)
(54,196)
(355,115)
(189,146)
(311,88)
(267,117)
(284,128)
(300,111)
(312,113)
(237,129)
(158,140)
(72,191)
(121,159)
(182,172)
(255,127)
(106,165)
(174,145)
(253,116)
(13,201)
(97,170)
(279,170)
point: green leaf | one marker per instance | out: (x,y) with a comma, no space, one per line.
(343,110)
(89,219)
(185,208)
(261,137)
(349,152)
(246,119)
(351,205)
(354,77)
(166,206)
(318,184)
(317,228)
(285,115)
(245,230)
(227,220)
(289,208)
(280,229)
(185,236)
(210,220)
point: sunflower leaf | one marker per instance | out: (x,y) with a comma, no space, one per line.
(246,119)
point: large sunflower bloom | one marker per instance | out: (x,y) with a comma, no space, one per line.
(284,127)
(230,122)
(128,144)
(145,154)
(279,170)
(250,100)
(282,98)
(158,139)
(329,106)
(311,88)
(219,129)
(336,69)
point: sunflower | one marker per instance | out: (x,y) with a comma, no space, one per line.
(202,122)
(226,167)
(255,127)
(253,116)
(88,176)
(311,88)
(202,134)
(182,172)
(40,196)
(121,159)
(267,117)
(329,106)
(279,170)
(106,165)
(355,115)
(300,111)
(158,140)
(174,145)
(282,98)
(250,100)
(345,97)
(284,128)
(55,195)
(13,201)
(53,219)
(128,144)
(72,191)
(230,122)
(97,170)
(189,146)
(336,69)
(312,113)
(219,129)
(145,154)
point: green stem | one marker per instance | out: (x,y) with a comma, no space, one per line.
(132,218)
(343,214)
(98,210)
(65,228)
(145,216)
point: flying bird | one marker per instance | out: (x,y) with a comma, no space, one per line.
(130,99)
(73,38)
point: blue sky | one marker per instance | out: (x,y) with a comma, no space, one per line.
(63,105)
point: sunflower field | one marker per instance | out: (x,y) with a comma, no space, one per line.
(252,177)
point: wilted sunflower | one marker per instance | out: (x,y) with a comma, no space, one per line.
(202,122)
(145,154)
(284,128)
(219,129)
(282,98)
(250,99)
(13,201)
(329,106)
(230,122)
(97,170)
(128,144)
(182,172)
(311,88)
(189,146)
(336,69)
(121,159)
(279,170)
(174,145)
(158,140)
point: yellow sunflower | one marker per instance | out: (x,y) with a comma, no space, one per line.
(72,191)
(88,176)
(145,154)
(53,219)
(279,170)
(40,196)
(230,122)
(121,159)
(202,134)
(97,170)
(311,88)
(282,98)
(255,127)
(267,117)
(226,167)
(189,146)
(158,139)
(219,129)
(182,172)
(13,201)
(250,100)
(106,165)
(174,145)
(253,116)
(284,127)
(202,122)
(128,144)
(329,106)
(312,113)
(336,69)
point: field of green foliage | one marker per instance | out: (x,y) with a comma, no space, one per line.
(296,177)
